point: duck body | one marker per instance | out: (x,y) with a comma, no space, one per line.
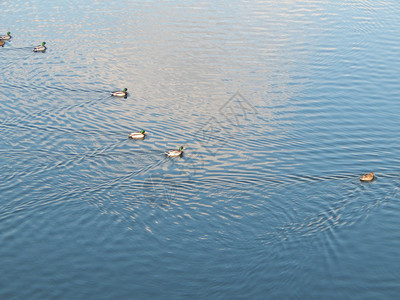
(137,135)
(1,43)
(174,153)
(368,177)
(6,37)
(122,93)
(40,48)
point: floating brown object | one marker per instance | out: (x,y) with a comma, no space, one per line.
(367,177)
(2,43)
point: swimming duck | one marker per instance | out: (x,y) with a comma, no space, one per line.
(2,43)
(367,177)
(175,153)
(137,135)
(40,48)
(122,93)
(6,37)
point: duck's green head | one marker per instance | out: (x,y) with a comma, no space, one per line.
(180,148)
(44,43)
(8,33)
(125,89)
(142,131)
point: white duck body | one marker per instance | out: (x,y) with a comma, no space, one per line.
(40,48)
(174,153)
(122,93)
(137,135)
(6,37)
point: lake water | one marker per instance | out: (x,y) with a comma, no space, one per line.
(281,107)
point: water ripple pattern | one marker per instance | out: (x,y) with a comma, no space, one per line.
(280,108)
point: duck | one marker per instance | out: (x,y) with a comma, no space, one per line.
(2,43)
(6,37)
(175,153)
(137,135)
(367,177)
(122,93)
(40,48)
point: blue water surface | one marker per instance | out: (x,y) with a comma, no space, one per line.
(281,106)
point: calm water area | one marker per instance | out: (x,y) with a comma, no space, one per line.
(281,106)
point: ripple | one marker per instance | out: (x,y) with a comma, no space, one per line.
(280,107)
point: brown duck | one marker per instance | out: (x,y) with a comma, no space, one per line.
(367,177)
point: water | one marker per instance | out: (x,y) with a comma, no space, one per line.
(281,107)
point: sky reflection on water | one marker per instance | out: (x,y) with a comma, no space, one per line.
(281,108)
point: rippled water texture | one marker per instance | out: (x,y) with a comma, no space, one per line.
(281,107)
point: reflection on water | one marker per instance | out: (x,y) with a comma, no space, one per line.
(281,107)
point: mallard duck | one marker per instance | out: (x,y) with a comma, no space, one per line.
(2,43)
(175,153)
(40,48)
(367,177)
(122,93)
(137,135)
(6,37)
